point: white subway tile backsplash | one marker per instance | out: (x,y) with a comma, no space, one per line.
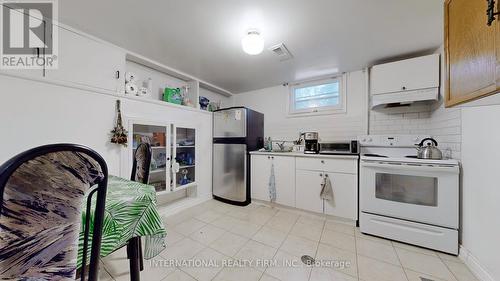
(419,119)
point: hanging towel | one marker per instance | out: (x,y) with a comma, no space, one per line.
(272,185)
(326,189)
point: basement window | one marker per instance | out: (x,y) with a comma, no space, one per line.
(317,97)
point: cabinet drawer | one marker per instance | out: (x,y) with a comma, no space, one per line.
(327,164)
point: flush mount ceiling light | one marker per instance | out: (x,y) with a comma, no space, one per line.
(252,43)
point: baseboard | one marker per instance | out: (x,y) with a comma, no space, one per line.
(474,265)
(181,205)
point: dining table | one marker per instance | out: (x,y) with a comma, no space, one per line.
(130,215)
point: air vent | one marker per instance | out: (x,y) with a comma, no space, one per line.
(281,51)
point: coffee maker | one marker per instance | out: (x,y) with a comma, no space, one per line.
(311,143)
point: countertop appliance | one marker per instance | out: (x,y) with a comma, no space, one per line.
(407,199)
(236,131)
(339,147)
(427,149)
(311,143)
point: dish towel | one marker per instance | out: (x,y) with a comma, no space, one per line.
(272,185)
(326,189)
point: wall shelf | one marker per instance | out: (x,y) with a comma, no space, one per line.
(136,58)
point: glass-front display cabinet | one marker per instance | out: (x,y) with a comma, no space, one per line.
(184,154)
(173,159)
(157,137)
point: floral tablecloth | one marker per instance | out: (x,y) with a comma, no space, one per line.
(130,212)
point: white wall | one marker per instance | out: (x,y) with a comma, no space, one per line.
(481,185)
(35,113)
(273,103)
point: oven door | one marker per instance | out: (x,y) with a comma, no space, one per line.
(419,193)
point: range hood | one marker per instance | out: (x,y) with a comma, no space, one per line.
(404,98)
(405,82)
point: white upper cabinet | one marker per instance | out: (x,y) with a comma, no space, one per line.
(406,75)
(87,62)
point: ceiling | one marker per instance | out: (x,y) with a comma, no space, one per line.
(203,37)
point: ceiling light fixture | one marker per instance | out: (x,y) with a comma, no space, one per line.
(252,43)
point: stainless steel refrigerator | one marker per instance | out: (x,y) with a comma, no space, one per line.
(236,132)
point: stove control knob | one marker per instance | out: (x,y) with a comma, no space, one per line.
(363,140)
(369,139)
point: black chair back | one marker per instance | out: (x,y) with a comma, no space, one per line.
(42,192)
(141,164)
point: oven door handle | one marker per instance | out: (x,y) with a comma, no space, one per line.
(407,167)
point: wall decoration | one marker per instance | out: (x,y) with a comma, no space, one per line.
(119,134)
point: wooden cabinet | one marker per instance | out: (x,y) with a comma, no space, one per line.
(472,52)
(308,190)
(284,171)
(87,62)
(405,75)
(345,196)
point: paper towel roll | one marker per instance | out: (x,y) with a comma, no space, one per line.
(149,85)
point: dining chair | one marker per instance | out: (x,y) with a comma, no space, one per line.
(141,163)
(42,193)
(140,173)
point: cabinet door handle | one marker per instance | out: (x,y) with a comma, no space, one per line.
(403,88)
(322,161)
(490,11)
(117,74)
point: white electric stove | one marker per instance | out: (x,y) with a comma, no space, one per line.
(406,199)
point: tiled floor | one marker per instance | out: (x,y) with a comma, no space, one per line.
(262,243)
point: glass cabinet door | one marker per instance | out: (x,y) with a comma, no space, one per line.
(158,138)
(184,155)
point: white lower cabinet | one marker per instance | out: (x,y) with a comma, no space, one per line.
(307,190)
(345,196)
(284,169)
(299,182)
(260,169)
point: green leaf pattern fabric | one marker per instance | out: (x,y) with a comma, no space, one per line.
(130,212)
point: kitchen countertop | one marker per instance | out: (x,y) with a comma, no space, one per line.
(302,154)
